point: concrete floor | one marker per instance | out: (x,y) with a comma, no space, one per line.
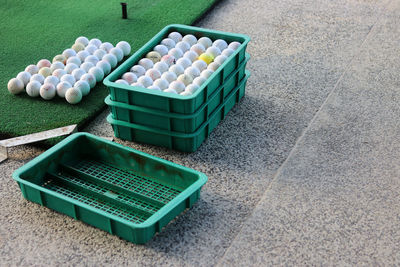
(304,171)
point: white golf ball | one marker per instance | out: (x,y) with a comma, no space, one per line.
(213,66)
(169,43)
(70,67)
(105,66)
(186,93)
(153,74)
(168,59)
(205,41)
(198,49)
(92,59)
(184,46)
(110,58)
(68,78)
(192,88)
(33,88)
(121,81)
(76,60)
(154,87)
(170,90)
(78,73)
(200,64)
(177,69)
(97,72)
(32,69)
(138,70)
(56,66)
(99,53)
(227,52)
(191,55)
(178,86)
(43,63)
(24,76)
(62,88)
(146,63)
(161,67)
(190,38)
(184,62)
(37,77)
(161,83)
(176,36)
(221,44)
(86,66)
(82,40)
(73,95)
(169,76)
(47,91)
(192,71)
(83,86)
(199,80)
(59,73)
(106,46)
(206,73)
(234,45)
(15,86)
(118,53)
(96,42)
(185,78)
(90,79)
(213,51)
(220,59)
(52,79)
(125,47)
(82,55)
(67,53)
(91,49)
(176,53)
(138,85)
(145,80)
(161,49)
(129,77)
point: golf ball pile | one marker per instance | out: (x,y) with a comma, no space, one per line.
(180,64)
(71,74)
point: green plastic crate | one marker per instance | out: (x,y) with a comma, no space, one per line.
(175,140)
(120,190)
(171,102)
(185,123)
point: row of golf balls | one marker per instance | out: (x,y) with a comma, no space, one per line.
(179,64)
(72,74)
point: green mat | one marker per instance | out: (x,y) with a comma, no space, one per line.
(32,30)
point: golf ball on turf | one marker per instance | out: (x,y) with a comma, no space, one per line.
(161,49)
(198,49)
(125,47)
(206,73)
(33,88)
(200,64)
(59,73)
(70,67)
(15,86)
(221,44)
(99,53)
(234,45)
(78,73)
(60,58)
(146,63)
(186,93)
(37,77)
(118,53)
(138,70)
(68,78)
(97,73)
(213,51)
(103,64)
(62,88)
(227,52)
(145,80)
(176,36)
(192,88)
(78,47)
(82,40)
(87,66)
(168,59)
(73,95)
(24,76)
(176,53)
(47,91)
(178,86)
(83,86)
(191,55)
(32,69)
(92,59)
(190,38)
(43,63)
(154,87)
(220,59)
(205,41)
(207,58)
(184,62)
(129,77)
(199,80)
(67,53)
(161,83)
(184,46)
(169,76)
(91,49)
(154,56)
(161,66)
(90,79)
(185,78)
(52,79)
(213,66)
(56,65)
(45,71)
(106,46)
(192,71)
(121,81)
(110,58)
(82,55)
(96,42)
(170,90)
(177,69)
(168,42)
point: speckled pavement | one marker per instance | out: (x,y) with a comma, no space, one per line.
(302,172)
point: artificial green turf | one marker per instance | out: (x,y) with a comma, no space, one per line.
(32,30)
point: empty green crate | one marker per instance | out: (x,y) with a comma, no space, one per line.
(120,190)
(185,123)
(175,140)
(171,102)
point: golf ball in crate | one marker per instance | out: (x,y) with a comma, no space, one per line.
(146,63)
(57,65)
(70,67)
(177,69)
(227,52)
(15,86)
(154,87)
(186,93)
(213,66)
(205,41)
(220,59)
(184,62)
(199,81)
(106,46)
(190,38)
(178,86)
(73,95)
(161,66)
(176,36)
(96,42)
(169,76)
(110,58)
(118,53)
(83,86)
(168,59)
(176,53)
(43,63)
(192,71)
(62,88)
(90,79)
(78,73)
(121,81)
(200,64)
(91,49)
(161,83)
(24,76)
(192,88)
(138,85)
(45,71)
(60,58)
(92,59)
(185,78)
(184,46)
(67,53)
(191,55)
(221,44)
(138,70)
(198,49)
(234,45)
(154,56)
(206,73)
(125,47)
(207,58)
(83,55)
(213,51)
(33,88)
(105,66)
(32,69)
(99,53)
(47,91)
(82,40)
(78,47)
(129,77)
(52,79)
(86,66)
(68,78)
(170,90)
(145,80)
(37,77)
(168,42)
(74,60)
(161,49)
(97,73)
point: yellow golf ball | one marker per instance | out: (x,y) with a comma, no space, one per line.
(207,58)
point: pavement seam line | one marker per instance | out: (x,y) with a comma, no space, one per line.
(301,137)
